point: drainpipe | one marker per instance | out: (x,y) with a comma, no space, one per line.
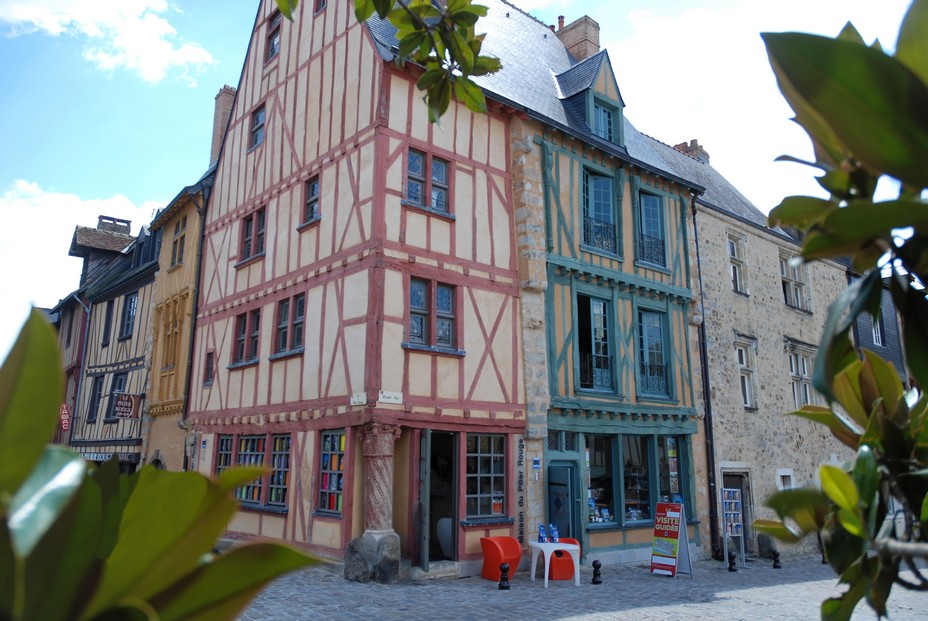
(207,186)
(707,401)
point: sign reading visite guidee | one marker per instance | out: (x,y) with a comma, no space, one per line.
(670,546)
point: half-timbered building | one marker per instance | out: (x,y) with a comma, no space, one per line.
(113,386)
(70,319)
(358,327)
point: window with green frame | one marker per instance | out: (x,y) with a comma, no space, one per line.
(652,362)
(651,243)
(593,343)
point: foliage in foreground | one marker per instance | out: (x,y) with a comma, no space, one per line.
(441,40)
(78,542)
(866,112)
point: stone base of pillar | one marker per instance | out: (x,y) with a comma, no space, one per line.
(374,556)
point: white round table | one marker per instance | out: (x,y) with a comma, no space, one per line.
(548,550)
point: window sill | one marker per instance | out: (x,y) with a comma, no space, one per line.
(329,515)
(598,392)
(483,522)
(249,506)
(254,147)
(308,224)
(124,337)
(208,384)
(434,349)
(657,397)
(110,420)
(246,262)
(657,267)
(798,309)
(243,363)
(601,252)
(167,368)
(175,267)
(742,293)
(602,526)
(270,61)
(290,353)
(751,408)
(444,215)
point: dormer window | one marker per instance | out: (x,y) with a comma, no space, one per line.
(602,122)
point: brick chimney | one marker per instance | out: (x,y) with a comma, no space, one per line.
(581,37)
(114,225)
(221,115)
(694,150)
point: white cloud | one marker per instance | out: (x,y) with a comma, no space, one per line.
(120,34)
(35,238)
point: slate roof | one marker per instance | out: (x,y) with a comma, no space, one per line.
(541,78)
(204,182)
(89,238)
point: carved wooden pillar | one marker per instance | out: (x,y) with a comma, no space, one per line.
(378,440)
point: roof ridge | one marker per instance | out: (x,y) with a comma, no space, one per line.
(669,146)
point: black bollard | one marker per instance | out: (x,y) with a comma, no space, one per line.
(776,559)
(597,572)
(731,561)
(504,577)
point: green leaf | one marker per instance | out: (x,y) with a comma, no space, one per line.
(836,351)
(43,496)
(30,393)
(866,474)
(410,43)
(170,520)
(460,50)
(880,587)
(839,487)
(470,94)
(7,572)
(851,522)
(384,8)
(486,64)
(776,529)
(363,9)
(824,416)
(879,381)
(222,588)
(846,386)
(430,78)
(801,211)
(871,103)
(911,50)
(924,513)
(807,507)
(287,7)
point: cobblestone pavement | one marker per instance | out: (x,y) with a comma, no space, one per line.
(628,593)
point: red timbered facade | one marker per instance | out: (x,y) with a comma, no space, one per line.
(358,326)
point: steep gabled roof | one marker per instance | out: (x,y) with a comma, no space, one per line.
(581,76)
(87,238)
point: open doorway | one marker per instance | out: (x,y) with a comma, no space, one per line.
(438,494)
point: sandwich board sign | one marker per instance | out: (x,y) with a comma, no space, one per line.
(670,546)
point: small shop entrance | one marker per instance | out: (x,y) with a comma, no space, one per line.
(438,493)
(563,500)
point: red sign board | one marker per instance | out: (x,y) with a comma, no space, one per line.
(125,406)
(665,544)
(65,417)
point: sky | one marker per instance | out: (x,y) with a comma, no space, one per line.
(106,106)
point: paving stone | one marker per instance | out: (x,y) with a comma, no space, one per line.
(628,593)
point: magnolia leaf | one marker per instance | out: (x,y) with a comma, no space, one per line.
(801,211)
(924,514)
(805,506)
(839,487)
(55,479)
(470,94)
(836,351)
(851,522)
(824,416)
(911,50)
(846,386)
(879,380)
(30,394)
(866,474)
(287,7)
(776,529)
(223,587)
(363,9)
(871,103)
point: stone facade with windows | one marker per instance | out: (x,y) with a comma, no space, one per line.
(762,317)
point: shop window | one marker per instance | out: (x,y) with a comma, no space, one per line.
(332,471)
(599,214)
(636,478)
(269,491)
(486,475)
(601,498)
(593,343)
(669,455)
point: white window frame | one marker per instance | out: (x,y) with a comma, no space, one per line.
(801,358)
(737,270)
(745,357)
(794,281)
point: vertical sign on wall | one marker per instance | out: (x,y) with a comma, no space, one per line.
(670,547)
(520,489)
